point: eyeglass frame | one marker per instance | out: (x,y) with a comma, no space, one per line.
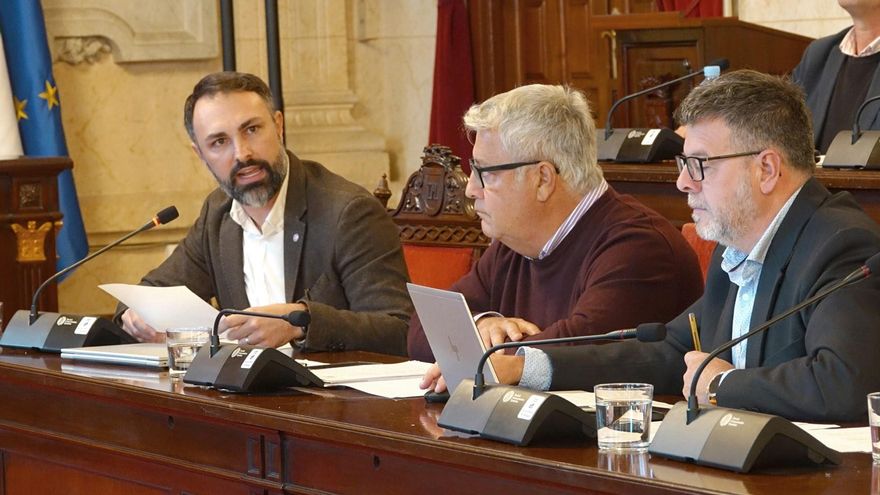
(682,158)
(503,166)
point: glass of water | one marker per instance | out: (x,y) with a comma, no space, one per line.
(623,416)
(874,421)
(183,345)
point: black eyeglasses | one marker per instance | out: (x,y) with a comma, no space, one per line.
(694,164)
(495,168)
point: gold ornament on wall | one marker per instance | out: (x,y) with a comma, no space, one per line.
(31,241)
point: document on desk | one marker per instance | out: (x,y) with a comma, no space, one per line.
(391,381)
(164,307)
(842,439)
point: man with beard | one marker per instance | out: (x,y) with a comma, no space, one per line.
(282,234)
(748,171)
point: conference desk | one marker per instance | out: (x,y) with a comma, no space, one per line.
(68,427)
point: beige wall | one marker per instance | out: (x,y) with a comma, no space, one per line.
(358,70)
(357,79)
(813,18)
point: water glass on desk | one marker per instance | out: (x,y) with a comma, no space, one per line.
(183,345)
(623,416)
(874,421)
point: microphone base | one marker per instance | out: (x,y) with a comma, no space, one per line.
(515,415)
(244,369)
(737,440)
(52,332)
(640,145)
(864,154)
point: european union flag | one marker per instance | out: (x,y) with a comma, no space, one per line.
(38,107)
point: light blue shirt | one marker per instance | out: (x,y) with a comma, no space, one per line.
(744,270)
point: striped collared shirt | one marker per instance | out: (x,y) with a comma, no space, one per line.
(585,203)
(848,45)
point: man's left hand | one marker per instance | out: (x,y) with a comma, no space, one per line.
(262,332)
(692,360)
(496,330)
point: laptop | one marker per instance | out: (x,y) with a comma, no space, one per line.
(452,334)
(144,354)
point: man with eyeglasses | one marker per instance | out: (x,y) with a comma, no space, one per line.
(570,256)
(748,173)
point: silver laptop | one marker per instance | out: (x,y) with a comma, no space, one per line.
(451,332)
(144,354)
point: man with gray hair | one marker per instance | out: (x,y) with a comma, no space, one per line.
(570,256)
(747,169)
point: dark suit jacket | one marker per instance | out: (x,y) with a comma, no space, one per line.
(816,365)
(817,74)
(346,261)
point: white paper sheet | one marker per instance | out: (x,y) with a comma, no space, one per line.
(844,439)
(346,375)
(391,389)
(164,307)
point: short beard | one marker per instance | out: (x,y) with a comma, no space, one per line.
(259,193)
(731,223)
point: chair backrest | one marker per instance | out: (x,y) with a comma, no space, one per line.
(439,230)
(702,247)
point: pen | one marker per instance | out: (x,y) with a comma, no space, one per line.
(695,333)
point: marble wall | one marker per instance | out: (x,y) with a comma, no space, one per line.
(357,87)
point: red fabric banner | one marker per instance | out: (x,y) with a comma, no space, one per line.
(453,79)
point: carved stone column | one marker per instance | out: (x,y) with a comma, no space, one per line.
(318,95)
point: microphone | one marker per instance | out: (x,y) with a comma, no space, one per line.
(646,332)
(849,150)
(704,436)
(517,415)
(295,318)
(238,368)
(166,215)
(32,330)
(649,145)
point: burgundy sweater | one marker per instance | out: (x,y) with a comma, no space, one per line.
(622,265)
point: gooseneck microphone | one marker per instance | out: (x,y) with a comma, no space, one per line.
(859,149)
(710,71)
(856,131)
(296,318)
(647,145)
(52,332)
(859,274)
(237,368)
(166,215)
(518,415)
(646,332)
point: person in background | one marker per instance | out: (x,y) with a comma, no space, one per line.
(841,71)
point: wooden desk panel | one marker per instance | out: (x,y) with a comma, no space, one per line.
(654,185)
(141,433)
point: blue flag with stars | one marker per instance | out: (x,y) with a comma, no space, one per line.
(38,109)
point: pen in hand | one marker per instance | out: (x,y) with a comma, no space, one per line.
(695,332)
